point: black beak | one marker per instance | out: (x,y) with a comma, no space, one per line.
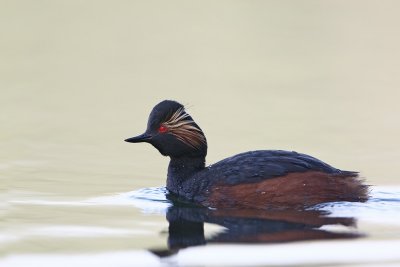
(140,138)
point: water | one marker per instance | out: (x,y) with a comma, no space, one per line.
(190,228)
(76,79)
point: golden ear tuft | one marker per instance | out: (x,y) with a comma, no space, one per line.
(185,129)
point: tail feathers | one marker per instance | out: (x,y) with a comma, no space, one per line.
(354,187)
(349,173)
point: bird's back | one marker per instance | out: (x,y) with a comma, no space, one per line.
(254,166)
(275,177)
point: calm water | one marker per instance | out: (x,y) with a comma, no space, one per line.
(76,78)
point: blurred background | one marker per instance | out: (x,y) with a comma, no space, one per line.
(78,77)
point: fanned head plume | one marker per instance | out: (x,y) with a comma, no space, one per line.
(184,128)
(173,132)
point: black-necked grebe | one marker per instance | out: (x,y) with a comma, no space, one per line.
(256,179)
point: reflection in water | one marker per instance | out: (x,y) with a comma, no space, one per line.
(186,226)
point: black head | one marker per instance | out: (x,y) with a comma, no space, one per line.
(173,132)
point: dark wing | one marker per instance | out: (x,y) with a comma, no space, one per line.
(254,166)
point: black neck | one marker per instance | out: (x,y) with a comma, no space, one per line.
(181,169)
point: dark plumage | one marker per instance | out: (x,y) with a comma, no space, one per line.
(257,179)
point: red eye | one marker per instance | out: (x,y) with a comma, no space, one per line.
(162,129)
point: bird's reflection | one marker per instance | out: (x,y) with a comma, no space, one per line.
(186,226)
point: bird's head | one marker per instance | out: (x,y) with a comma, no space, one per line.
(173,132)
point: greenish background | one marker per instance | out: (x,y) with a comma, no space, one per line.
(78,77)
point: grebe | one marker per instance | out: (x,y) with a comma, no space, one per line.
(260,179)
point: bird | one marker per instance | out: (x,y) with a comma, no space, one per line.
(260,179)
